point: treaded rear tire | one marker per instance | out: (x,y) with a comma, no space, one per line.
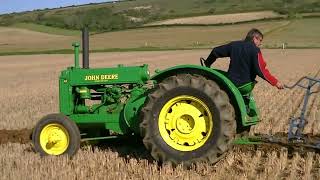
(224,123)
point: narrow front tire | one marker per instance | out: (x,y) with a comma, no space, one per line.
(56,134)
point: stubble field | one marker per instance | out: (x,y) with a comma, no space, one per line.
(29,90)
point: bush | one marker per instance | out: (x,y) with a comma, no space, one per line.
(212,11)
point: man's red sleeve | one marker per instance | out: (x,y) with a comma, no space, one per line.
(263,72)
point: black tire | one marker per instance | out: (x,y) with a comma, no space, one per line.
(224,123)
(63,121)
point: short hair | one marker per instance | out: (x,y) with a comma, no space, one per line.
(252,33)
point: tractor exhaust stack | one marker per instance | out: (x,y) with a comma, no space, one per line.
(85,48)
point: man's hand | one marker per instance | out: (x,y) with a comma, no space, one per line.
(279,85)
(206,63)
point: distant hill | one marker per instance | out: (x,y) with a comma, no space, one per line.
(134,13)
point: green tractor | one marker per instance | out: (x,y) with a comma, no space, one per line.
(184,114)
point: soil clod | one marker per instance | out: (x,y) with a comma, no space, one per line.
(21,136)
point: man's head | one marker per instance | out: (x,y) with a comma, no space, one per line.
(255,36)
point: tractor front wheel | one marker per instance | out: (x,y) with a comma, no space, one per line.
(56,134)
(188,119)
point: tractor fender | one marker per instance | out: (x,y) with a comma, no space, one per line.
(216,75)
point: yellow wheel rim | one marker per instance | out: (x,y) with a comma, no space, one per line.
(54,139)
(185,123)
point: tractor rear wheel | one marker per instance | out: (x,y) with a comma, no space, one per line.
(188,119)
(56,134)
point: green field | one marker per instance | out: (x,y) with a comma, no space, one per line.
(302,33)
(296,33)
(178,36)
(46,29)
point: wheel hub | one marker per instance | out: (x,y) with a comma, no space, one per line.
(54,139)
(185,123)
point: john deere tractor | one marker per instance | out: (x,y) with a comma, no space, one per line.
(184,114)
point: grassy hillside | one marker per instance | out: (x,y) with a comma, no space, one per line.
(133,13)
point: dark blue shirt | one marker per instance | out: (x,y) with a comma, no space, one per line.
(246,62)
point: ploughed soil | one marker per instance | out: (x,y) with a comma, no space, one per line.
(21,136)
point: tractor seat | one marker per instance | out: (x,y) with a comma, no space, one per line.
(247,88)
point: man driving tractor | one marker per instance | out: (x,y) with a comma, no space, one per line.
(246,62)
